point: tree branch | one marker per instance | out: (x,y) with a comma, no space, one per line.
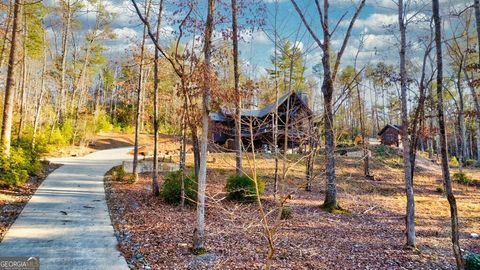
(154,40)
(302,17)
(345,40)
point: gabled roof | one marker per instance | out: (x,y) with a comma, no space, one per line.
(396,127)
(259,112)
(219,117)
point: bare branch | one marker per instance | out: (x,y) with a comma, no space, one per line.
(345,40)
(307,25)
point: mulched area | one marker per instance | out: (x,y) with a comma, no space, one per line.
(155,235)
(12,200)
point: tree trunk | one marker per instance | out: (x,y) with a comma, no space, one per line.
(330,202)
(196,149)
(155,187)
(312,153)
(6,32)
(366,165)
(38,108)
(443,142)
(475,98)
(431,137)
(275,116)
(139,94)
(410,225)
(63,90)
(238,99)
(199,234)
(461,154)
(183,145)
(10,83)
(23,94)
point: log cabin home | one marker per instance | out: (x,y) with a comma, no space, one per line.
(301,124)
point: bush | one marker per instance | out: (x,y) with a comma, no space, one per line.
(242,188)
(117,173)
(18,166)
(453,161)
(287,213)
(439,189)
(171,188)
(384,151)
(461,177)
(472,261)
(470,162)
(102,123)
(128,129)
(130,178)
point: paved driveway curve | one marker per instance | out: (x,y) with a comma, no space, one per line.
(66,222)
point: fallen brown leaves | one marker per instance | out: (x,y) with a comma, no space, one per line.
(156,235)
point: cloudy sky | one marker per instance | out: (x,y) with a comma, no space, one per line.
(376,24)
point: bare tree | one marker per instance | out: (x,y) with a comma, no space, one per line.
(238,100)
(447,182)
(140,91)
(410,222)
(199,234)
(155,188)
(329,76)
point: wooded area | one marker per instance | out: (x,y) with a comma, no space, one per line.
(385,87)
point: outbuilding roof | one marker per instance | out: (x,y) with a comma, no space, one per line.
(396,127)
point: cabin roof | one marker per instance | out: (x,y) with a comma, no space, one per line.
(215,116)
(221,116)
(395,127)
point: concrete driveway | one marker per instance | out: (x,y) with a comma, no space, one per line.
(66,223)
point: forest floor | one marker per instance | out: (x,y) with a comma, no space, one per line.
(155,234)
(12,200)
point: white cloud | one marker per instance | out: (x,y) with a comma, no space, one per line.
(299,45)
(376,22)
(125,33)
(258,37)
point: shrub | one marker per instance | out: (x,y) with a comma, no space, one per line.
(453,161)
(171,188)
(383,151)
(128,129)
(18,166)
(287,212)
(439,189)
(102,123)
(461,177)
(130,178)
(117,173)
(472,261)
(470,162)
(242,188)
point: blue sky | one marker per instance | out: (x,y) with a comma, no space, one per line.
(377,24)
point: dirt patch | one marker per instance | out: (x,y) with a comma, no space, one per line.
(154,234)
(12,200)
